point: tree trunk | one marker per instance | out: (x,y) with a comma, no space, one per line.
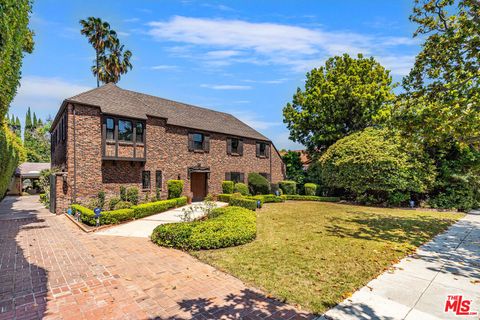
(96,58)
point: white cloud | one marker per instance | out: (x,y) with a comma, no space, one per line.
(399,65)
(131,20)
(254,120)
(238,41)
(225,87)
(282,141)
(123,33)
(164,67)
(44,93)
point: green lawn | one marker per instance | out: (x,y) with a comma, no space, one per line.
(315,254)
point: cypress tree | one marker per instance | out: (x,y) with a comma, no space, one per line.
(35,121)
(28,120)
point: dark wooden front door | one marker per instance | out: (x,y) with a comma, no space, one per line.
(198,185)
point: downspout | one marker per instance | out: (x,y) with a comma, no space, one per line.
(270,150)
(74,157)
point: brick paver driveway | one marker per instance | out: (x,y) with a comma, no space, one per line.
(50,269)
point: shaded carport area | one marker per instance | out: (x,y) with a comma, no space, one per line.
(26,177)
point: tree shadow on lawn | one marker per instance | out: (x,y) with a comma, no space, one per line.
(414,230)
(457,251)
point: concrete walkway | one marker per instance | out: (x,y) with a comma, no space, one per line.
(418,286)
(143,228)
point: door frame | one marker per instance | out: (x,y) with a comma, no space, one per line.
(199,169)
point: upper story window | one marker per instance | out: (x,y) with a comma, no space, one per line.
(139,132)
(262,149)
(125,130)
(234,146)
(198,142)
(110,128)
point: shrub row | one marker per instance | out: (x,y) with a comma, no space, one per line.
(288,187)
(225,227)
(243,202)
(116,216)
(147,209)
(310,198)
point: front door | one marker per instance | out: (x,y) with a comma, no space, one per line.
(198,185)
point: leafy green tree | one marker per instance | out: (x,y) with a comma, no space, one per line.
(377,166)
(111,61)
(37,140)
(294,167)
(15,39)
(344,96)
(442,99)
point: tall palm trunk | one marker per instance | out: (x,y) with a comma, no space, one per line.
(96,53)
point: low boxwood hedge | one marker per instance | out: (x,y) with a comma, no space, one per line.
(224,197)
(243,202)
(224,227)
(107,217)
(116,216)
(310,198)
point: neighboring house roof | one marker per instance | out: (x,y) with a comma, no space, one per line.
(304,158)
(31,169)
(117,101)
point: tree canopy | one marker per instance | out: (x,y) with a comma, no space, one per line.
(441,102)
(342,97)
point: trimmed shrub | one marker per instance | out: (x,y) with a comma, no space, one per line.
(175,188)
(258,184)
(43,198)
(258,197)
(224,197)
(132,195)
(243,202)
(113,202)
(310,198)
(147,209)
(372,164)
(123,193)
(87,216)
(228,187)
(182,201)
(101,199)
(122,205)
(272,198)
(310,189)
(241,188)
(288,187)
(225,227)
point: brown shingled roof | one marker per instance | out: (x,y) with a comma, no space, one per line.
(117,101)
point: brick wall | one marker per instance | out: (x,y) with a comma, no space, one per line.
(167,150)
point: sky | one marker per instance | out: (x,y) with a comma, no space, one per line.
(245,57)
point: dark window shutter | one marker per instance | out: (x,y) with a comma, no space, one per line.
(228,176)
(267,150)
(229,146)
(240,147)
(206,143)
(258,149)
(190,142)
(242,177)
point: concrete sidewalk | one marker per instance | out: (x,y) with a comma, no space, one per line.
(143,228)
(418,286)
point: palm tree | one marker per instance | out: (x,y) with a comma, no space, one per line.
(99,35)
(112,66)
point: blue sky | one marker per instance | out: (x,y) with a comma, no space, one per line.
(242,57)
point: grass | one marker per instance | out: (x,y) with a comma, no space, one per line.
(316,254)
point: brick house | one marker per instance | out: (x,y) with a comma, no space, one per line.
(108,137)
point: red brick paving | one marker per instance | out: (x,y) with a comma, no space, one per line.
(52,270)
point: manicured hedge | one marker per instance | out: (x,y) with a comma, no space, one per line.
(175,188)
(267,198)
(224,197)
(310,189)
(107,217)
(228,187)
(241,188)
(243,202)
(225,227)
(310,198)
(288,187)
(135,212)
(258,184)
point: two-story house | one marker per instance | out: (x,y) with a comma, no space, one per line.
(108,137)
